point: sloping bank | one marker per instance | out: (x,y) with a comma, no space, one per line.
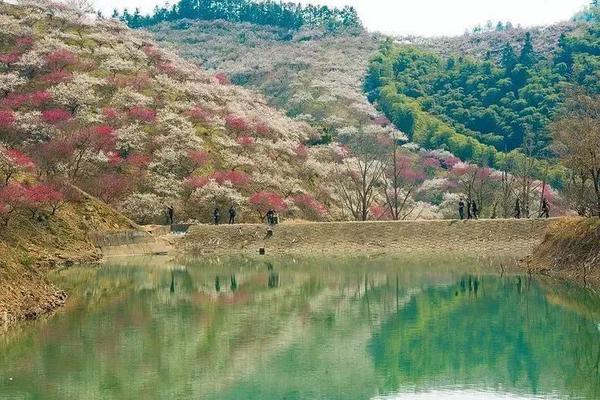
(29,249)
(571,248)
(497,237)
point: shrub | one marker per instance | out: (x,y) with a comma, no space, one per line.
(142,113)
(55,115)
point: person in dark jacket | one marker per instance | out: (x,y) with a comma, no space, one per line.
(517,209)
(545,208)
(474,210)
(461,209)
(270,215)
(170,214)
(232,214)
(217,216)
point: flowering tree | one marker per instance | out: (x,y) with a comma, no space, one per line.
(7,119)
(237,123)
(55,115)
(11,198)
(143,207)
(310,206)
(222,78)
(234,178)
(40,195)
(59,59)
(12,161)
(402,176)
(262,202)
(143,114)
(90,141)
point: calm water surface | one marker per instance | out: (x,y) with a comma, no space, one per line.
(307,329)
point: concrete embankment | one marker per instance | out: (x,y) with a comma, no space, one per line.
(498,237)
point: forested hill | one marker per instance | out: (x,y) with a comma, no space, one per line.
(284,15)
(477,106)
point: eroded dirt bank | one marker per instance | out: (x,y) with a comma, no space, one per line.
(30,248)
(571,249)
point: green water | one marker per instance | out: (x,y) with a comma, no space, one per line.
(307,329)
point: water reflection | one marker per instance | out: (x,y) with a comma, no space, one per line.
(300,329)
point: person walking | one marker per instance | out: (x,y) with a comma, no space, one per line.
(232,215)
(217,216)
(517,209)
(270,214)
(545,208)
(474,210)
(170,214)
(469,214)
(461,209)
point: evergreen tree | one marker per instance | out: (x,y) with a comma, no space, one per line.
(527,57)
(509,58)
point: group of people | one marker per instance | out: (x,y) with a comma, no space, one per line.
(271,217)
(472,209)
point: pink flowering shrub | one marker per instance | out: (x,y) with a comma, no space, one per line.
(7,119)
(142,113)
(237,123)
(246,141)
(265,201)
(110,114)
(12,197)
(55,115)
(10,58)
(39,98)
(311,207)
(198,114)
(24,42)
(222,78)
(13,161)
(60,59)
(301,151)
(41,195)
(54,77)
(236,178)
(139,161)
(199,158)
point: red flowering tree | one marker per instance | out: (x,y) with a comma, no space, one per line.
(54,77)
(12,161)
(56,116)
(10,58)
(110,114)
(222,78)
(310,206)
(59,59)
(11,198)
(13,101)
(199,158)
(235,178)
(7,119)
(53,156)
(110,187)
(39,98)
(90,141)
(142,113)
(41,195)
(237,123)
(198,114)
(262,202)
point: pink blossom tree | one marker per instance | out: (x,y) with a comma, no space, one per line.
(11,198)
(143,114)
(56,116)
(13,161)
(59,59)
(310,206)
(262,202)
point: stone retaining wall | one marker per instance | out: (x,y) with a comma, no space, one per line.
(478,237)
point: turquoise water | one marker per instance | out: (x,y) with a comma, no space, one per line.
(307,329)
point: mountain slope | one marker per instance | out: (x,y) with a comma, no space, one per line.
(101,106)
(314,75)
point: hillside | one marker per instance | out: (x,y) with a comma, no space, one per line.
(101,106)
(446,93)
(314,75)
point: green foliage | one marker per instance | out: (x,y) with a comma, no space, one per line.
(481,106)
(285,15)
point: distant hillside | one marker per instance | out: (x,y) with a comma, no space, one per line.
(484,94)
(314,75)
(490,43)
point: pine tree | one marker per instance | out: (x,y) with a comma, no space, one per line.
(509,58)
(527,56)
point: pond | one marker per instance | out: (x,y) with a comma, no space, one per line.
(312,328)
